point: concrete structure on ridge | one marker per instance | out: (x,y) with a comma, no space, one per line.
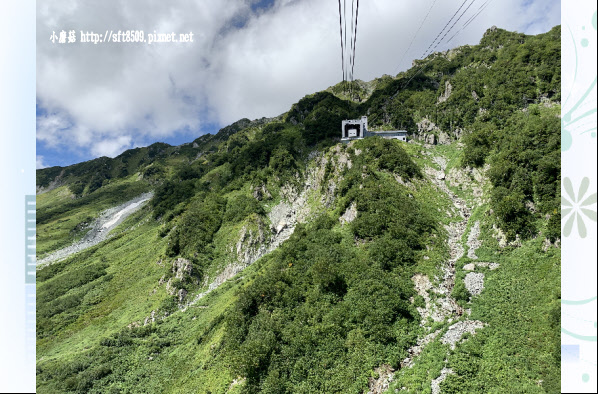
(357,129)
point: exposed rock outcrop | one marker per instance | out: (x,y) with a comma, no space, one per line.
(491,266)
(385,377)
(252,242)
(436,382)
(426,125)
(472,241)
(428,131)
(443,138)
(448,89)
(429,138)
(261,193)
(349,215)
(150,319)
(256,240)
(182,293)
(170,289)
(416,350)
(180,267)
(469,179)
(474,283)
(457,330)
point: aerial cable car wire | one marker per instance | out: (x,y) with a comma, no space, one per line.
(354,40)
(430,49)
(340,22)
(345,25)
(475,13)
(453,25)
(481,9)
(348,48)
(445,26)
(351,40)
(415,35)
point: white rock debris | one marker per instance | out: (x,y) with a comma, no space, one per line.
(445,308)
(491,266)
(349,215)
(385,377)
(472,266)
(474,283)
(457,330)
(283,217)
(436,382)
(99,230)
(472,241)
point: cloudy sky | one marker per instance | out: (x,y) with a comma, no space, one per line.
(248,58)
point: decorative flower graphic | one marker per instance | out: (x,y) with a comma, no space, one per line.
(576,207)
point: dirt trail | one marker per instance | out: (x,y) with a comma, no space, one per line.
(99,229)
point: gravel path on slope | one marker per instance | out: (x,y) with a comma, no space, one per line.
(100,229)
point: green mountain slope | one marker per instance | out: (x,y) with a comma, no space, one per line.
(273,259)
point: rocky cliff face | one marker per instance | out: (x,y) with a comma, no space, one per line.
(433,288)
(262,235)
(448,89)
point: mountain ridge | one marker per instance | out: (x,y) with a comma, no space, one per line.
(271,258)
(493,40)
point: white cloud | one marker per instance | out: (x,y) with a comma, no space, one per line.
(53,128)
(111,147)
(39,162)
(146,92)
(57,131)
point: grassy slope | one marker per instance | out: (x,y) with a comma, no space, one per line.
(124,299)
(73,350)
(61,219)
(519,349)
(86,302)
(184,352)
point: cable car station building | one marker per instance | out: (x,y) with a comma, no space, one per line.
(357,129)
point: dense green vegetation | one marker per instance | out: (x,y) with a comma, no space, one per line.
(522,309)
(505,72)
(519,348)
(321,114)
(319,318)
(319,284)
(324,313)
(336,300)
(525,167)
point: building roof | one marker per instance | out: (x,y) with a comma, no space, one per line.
(389,132)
